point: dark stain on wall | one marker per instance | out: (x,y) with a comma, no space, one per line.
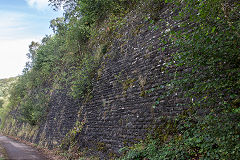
(120,111)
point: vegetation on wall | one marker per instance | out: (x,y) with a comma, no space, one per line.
(208,49)
(64,60)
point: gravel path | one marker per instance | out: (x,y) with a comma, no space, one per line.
(19,151)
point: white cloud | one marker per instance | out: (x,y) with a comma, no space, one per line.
(13,56)
(14,42)
(17,29)
(39,4)
(12,25)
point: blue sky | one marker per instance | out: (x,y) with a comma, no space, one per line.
(21,21)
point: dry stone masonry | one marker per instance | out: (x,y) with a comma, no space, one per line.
(121,110)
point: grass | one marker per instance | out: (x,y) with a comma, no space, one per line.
(3,154)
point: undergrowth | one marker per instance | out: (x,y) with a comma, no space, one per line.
(208,50)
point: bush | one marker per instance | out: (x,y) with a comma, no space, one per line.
(210,50)
(81,83)
(208,45)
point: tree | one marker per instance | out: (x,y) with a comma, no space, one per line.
(58,25)
(31,55)
(67,5)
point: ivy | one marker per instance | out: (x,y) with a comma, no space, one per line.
(207,73)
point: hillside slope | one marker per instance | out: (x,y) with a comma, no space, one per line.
(5,85)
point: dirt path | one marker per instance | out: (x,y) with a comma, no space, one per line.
(19,151)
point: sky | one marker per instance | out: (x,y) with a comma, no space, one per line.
(21,21)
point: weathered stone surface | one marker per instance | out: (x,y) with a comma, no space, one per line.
(120,112)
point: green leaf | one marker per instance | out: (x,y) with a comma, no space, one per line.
(213,29)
